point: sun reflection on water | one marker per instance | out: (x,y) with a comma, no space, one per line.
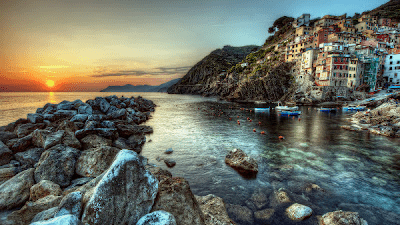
(51,98)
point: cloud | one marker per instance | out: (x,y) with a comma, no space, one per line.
(159,71)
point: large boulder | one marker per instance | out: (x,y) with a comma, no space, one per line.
(53,139)
(61,220)
(35,117)
(134,142)
(15,191)
(30,209)
(43,189)
(125,193)
(104,105)
(175,196)
(6,136)
(110,133)
(85,109)
(94,141)
(65,106)
(20,144)
(239,160)
(298,212)
(127,130)
(25,129)
(5,154)
(71,204)
(70,140)
(57,164)
(30,157)
(93,162)
(67,126)
(79,118)
(39,137)
(214,210)
(45,215)
(8,172)
(157,218)
(342,218)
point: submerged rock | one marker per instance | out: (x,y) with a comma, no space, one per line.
(240,214)
(239,160)
(170,162)
(298,212)
(214,210)
(342,218)
(127,184)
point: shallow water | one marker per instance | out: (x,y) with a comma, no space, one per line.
(358,172)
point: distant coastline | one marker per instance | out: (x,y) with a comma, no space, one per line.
(141,88)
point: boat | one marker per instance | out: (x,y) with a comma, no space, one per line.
(353,108)
(327,110)
(285,107)
(290,113)
(261,110)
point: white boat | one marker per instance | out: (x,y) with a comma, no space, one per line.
(286,108)
(261,110)
(354,108)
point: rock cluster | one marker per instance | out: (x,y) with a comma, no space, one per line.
(383,120)
(239,160)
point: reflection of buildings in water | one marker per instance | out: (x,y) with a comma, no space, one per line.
(51,98)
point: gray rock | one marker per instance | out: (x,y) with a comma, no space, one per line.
(53,139)
(114,102)
(342,218)
(57,164)
(238,160)
(79,118)
(8,172)
(104,105)
(45,215)
(95,117)
(169,162)
(264,216)
(15,191)
(95,161)
(43,189)
(107,124)
(298,212)
(214,210)
(126,183)
(77,103)
(129,130)
(94,141)
(134,142)
(6,136)
(85,109)
(78,182)
(61,220)
(240,214)
(65,106)
(39,110)
(30,157)
(169,151)
(157,218)
(20,144)
(49,117)
(25,129)
(91,124)
(174,196)
(26,214)
(35,117)
(49,110)
(70,140)
(111,110)
(65,113)
(67,126)
(39,137)
(118,114)
(71,204)
(110,133)
(5,154)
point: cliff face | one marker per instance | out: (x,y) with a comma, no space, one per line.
(210,67)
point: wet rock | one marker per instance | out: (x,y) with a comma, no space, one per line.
(158,217)
(8,173)
(79,118)
(118,114)
(93,162)
(95,117)
(129,130)
(53,139)
(20,144)
(70,140)
(238,160)
(169,151)
(68,126)
(94,141)
(49,110)
(214,210)
(125,178)
(91,124)
(159,173)
(78,183)
(39,137)
(110,133)
(298,212)
(174,196)
(35,118)
(343,218)
(71,204)
(43,189)
(30,209)
(264,216)
(85,109)
(61,220)
(65,106)
(169,162)
(25,129)
(6,136)
(57,164)
(15,191)
(5,154)
(259,199)
(240,214)
(65,113)
(107,124)
(279,197)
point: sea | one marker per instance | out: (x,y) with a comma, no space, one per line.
(354,171)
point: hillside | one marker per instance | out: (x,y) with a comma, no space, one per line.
(141,88)
(390,10)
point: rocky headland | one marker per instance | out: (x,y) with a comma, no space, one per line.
(79,163)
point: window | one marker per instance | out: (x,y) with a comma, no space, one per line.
(395,75)
(390,68)
(391,62)
(334,74)
(390,57)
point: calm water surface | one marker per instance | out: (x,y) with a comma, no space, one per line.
(359,172)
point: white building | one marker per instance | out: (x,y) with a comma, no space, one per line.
(392,68)
(302,20)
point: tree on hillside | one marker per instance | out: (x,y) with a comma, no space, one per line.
(279,23)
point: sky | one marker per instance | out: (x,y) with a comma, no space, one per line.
(87,45)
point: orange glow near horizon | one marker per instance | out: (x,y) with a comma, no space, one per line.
(50,83)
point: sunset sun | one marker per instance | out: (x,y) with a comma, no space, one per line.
(50,83)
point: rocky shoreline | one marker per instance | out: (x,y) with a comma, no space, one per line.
(79,163)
